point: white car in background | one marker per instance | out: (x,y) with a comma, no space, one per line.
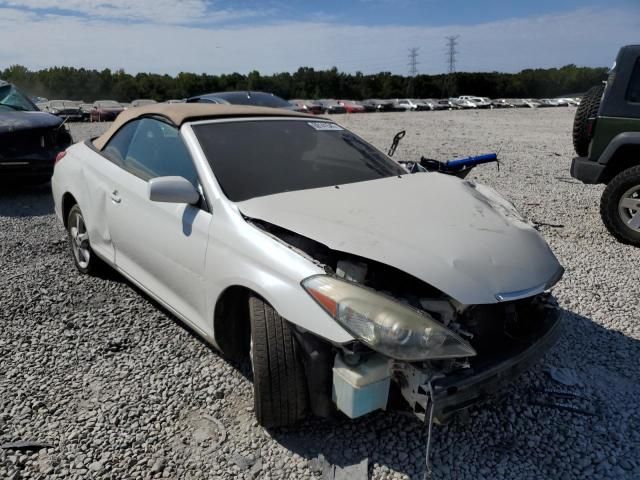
(482,102)
(479,102)
(464,103)
(277,235)
(569,102)
(409,104)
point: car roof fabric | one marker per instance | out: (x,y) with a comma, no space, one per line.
(178,113)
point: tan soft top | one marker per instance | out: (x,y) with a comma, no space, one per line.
(178,113)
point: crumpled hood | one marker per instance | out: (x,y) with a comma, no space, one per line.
(457,236)
(20,121)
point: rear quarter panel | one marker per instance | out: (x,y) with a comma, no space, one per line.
(607,128)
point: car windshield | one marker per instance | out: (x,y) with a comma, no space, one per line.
(253,158)
(12,99)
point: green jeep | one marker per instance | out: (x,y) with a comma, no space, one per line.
(606,136)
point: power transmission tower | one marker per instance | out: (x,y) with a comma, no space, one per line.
(449,84)
(413,61)
(452,43)
(413,69)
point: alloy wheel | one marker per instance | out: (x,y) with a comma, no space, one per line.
(629,208)
(80,240)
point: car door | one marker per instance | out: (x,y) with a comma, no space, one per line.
(162,246)
(98,173)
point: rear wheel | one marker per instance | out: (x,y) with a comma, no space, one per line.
(279,384)
(588,108)
(620,206)
(83,256)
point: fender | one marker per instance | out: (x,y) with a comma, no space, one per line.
(620,140)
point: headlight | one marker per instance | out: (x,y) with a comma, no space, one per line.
(382,323)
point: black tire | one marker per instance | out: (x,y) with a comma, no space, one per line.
(279,384)
(609,211)
(91,263)
(588,108)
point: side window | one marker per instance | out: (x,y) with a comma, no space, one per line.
(157,150)
(116,149)
(633,91)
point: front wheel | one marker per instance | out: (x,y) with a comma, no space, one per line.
(620,206)
(279,384)
(83,256)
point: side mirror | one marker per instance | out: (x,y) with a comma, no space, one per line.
(172,190)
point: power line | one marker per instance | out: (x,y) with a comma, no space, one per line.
(413,61)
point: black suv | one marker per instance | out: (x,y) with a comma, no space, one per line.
(606,136)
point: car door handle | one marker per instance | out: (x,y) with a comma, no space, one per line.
(115,197)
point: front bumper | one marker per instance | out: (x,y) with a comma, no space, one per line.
(31,154)
(459,390)
(30,167)
(454,393)
(587,171)
(25,169)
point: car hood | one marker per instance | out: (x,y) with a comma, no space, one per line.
(460,237)
(20,121)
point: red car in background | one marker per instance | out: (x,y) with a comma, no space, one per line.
(352,107)
(105,111)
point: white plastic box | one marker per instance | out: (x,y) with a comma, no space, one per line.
(361,389)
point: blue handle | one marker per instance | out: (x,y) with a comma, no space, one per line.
(472,161)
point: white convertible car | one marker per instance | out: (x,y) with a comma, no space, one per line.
(290,239)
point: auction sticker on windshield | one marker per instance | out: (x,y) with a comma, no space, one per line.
(324,126)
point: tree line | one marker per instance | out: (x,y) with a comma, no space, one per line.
(89,85)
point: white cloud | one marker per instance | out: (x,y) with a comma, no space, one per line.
(158,11)
(509,45)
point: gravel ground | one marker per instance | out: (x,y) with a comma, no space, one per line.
(119,389)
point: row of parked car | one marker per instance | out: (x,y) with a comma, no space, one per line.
(46,137)
(412,104)
(98,111)
(107,110)
(324,106)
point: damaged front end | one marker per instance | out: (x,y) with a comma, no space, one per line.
(414,342)
(508,337)
(472,352)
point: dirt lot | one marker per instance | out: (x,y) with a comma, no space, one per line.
(119,389)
